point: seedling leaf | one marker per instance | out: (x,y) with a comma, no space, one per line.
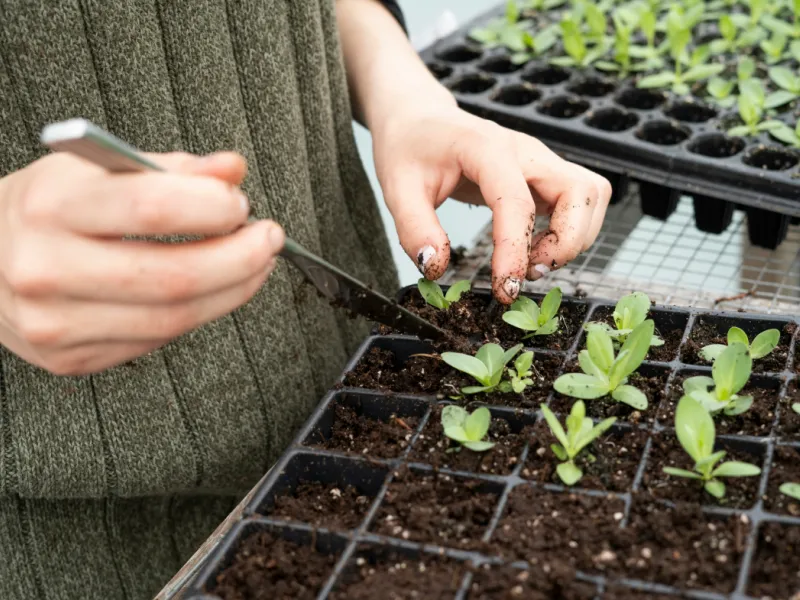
(716,488)
(555,426)
(736,335)
(569,473)
(735,468)
(631,396)
(632,352)
(791,489)
(477,424)
(731,370)
(550,305)
(457,290)
(432,293)
(694,428)
(580,385)
(681,473)
(764,343)
(453,416)
(520,320)
(468,364)
(712,352)
(559,451)
(601,348)
(479,446)
(456,433)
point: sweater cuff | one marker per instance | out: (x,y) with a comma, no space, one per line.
(397,12)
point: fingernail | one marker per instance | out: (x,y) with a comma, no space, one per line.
(424,256)
(203,161)
(542,270)
(511,287)
(276,237)
(243,201)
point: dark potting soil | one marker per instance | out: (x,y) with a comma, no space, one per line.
(616,459)
(775,572)
(432,447)
(270,568)
(785,469)
(672,337)
(428,374)
(493,582)
(435,508)
(681,546)
(398,577)
(653,387)
(470,317)
(360,434)
(549,528)
(665,451)
(323,505)
(756,422)
(789,425)
(705,333)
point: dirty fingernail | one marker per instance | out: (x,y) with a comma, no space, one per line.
(424,256)
(511,287)
(539,271)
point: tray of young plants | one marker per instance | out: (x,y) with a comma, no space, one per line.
(558,448)
(684,96)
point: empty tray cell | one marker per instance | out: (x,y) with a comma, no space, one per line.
(545,74)
(712,215)
(437,508)
(398,573)
(770,158)
(474,83)
(518,94)
(650,379)
(492,582)
(665,451)
(681,546)
(591,86)
(716,145)
(500,65)
(670,325)
(460,53)
(775,570)
(713,329)
(557,528)
(324,491)
(658,201)
(640,99)
(757,421)
(508,431)
(612,118)
(663,133)
(256,557)
(766,229)
(564,107)
(785,469)
(372,425)
(440,71)
(789,424)
(609,463)
(690,111)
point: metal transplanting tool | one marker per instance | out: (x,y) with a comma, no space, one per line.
(92,143)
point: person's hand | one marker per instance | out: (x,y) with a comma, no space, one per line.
(425,156)
(76,298)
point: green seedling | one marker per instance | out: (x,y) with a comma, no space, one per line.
(580,433)
(796,407)
(603,373)
(486,367)
(469,430)
(794,50)
(782,26)
(791,489)
(535,45)
(764,343)
(721,90)
(579,54)
(520,374)
(508,31)
(650,54)
(543,5)
(624,24)
(752,105)
(526,315)
(630,311)
(733,39)
(432,293)
(758,8)
(774,48)
(696,433)
(789,83)
(729,375)
(786,134)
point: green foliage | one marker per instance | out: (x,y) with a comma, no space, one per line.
(774,48)
(752,104)
(535,45)
(733,39)
(433,295)
(786,134)
(729,375)
(526,315)
(540,5)
(796,407)
(486,367)
(579,53)
(520,374)
(696,434)
(791,489)
(789,83)
(603,373)
(630,311)
(467,429)
(510,32)
(579,434)
(763,344)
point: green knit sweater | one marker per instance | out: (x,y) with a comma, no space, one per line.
(108,483)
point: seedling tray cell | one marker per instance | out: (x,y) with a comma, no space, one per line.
(484,526)
(669,144)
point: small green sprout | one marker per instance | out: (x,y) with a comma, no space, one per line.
(526,315)
(486,367)
(732,39)
(789,83)
(791,489)
(580,433)
(764,343)
(796,407)
(535,45)
(433,295)
(787,135)
(509,31)
(729,375)
(650,54)
(695,430)
(752,104)
(576,46)
(630,311)
(467,429)
(542,5)
(605,374)
(721,90)
(520,374)
(774,48)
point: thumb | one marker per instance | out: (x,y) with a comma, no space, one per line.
(418,227)
(230,167)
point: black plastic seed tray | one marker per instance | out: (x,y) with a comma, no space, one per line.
(670,145)
(618,537)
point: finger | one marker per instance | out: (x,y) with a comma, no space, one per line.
(421,235)
(598,216)
(492,166)
(144,272)
(230,167)
(54,324)
(94,358)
